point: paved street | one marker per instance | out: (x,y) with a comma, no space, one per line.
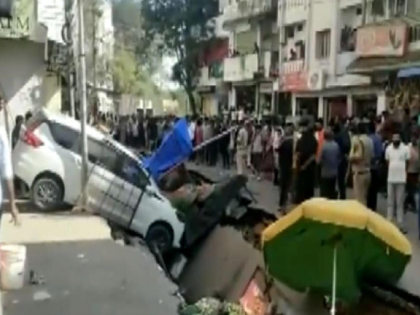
(267,196)
(85,272)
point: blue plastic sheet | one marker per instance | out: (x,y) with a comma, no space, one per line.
(409,72)
(175,148)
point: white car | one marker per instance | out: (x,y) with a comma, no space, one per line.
(47,158)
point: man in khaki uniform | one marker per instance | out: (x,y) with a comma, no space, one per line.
(361,155)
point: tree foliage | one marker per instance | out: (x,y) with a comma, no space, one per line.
(179,27)
(127,77)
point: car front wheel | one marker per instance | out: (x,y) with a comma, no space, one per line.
(47,193)
(160,235)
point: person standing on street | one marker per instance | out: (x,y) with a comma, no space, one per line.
(412,175)
(306,149)
(342,138)
(16,130)
(242,149)
(285,161)
(6,173)
(361,155)
(372,198)
(329,161)
(397,155)
(257,152)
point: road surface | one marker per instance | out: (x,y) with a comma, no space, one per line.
(85,272)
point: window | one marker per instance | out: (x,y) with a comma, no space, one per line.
(118,163)
(103,155)
(400,8)
(65,137)
(323,44)
(129,170)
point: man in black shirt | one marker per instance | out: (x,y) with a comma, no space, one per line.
(306,148)
(285,151)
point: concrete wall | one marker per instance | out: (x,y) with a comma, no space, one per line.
(321,18)
(24,79)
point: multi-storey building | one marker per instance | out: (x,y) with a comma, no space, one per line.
(316,56)
(31,55)
(338,35)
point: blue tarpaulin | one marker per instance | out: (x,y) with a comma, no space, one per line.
(175,148)
(409,72)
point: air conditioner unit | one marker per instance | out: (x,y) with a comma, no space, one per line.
(317,79)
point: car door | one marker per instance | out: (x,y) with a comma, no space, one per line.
(67,142)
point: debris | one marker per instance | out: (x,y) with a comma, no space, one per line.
(40,296)
(35,278)
(81,256)
(15,301)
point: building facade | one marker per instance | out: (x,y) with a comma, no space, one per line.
(296,57)
(31,56)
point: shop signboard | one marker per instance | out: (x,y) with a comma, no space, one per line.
(21,22)
(295,82)
(382,40)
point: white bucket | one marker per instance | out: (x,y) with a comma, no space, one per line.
(12,269)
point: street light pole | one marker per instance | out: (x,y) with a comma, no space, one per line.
(83,102)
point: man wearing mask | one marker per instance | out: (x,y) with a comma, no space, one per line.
(361,155)
(397,156)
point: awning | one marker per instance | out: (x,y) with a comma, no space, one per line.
(369,65)
(409,72)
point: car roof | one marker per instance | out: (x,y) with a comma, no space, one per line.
(91,131)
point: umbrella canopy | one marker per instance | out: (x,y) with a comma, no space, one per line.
(332,246)
(175,148)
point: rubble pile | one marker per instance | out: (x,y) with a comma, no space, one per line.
(211,306)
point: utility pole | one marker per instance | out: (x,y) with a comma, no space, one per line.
(68,39)
(94,51)
(83,101)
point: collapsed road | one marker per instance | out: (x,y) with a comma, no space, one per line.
(222,253)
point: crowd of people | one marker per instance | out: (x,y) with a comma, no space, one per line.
(373,154)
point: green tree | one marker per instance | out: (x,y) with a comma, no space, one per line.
(127,76)
(179,27)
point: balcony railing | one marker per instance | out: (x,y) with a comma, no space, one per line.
(295,4)
(295,11)
(240,68)
(293,66)
(248,8)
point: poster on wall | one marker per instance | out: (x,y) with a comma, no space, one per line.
(21,21)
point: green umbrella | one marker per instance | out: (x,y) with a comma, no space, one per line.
(332,246)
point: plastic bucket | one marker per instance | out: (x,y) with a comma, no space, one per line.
(12,269)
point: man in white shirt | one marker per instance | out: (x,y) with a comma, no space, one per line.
(242,150)
(397,156)
(6,173)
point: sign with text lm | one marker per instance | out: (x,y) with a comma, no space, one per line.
(382,40)
(21,22)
